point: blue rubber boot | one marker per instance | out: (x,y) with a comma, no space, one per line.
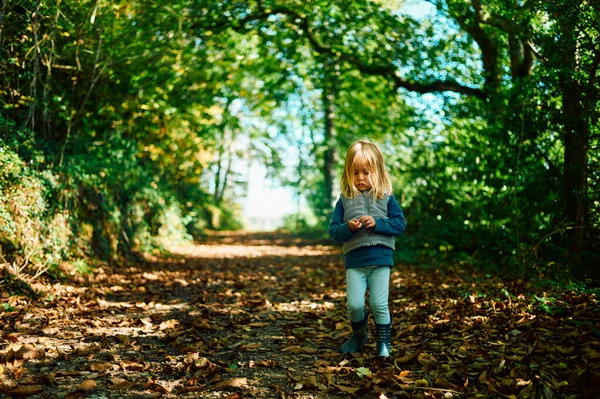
(360,334)
(384,347)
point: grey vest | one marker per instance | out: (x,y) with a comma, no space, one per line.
(364,205)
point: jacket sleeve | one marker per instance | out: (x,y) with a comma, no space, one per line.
(338,230)
(395,224)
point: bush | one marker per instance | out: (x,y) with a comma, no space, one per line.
(34,232)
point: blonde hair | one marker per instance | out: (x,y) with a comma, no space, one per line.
(372,156)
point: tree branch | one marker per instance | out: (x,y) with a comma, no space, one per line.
(471,22)
(388,71)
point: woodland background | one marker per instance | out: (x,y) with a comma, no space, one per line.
(121,123)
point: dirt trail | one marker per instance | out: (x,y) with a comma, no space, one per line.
(263,315)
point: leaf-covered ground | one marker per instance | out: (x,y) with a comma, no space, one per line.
(242,316)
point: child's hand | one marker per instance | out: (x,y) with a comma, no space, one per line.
(354,225)
(368,221)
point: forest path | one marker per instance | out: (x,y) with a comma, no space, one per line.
(262,315)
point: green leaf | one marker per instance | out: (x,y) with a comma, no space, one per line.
(363,372)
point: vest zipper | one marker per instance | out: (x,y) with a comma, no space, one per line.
(368,212)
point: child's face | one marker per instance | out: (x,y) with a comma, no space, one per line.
(362,176)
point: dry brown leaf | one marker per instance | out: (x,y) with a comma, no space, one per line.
(495,388)
(68,373)
(26,390)
(310,381)
(191,357)
(426,359)
(408,358)
(335,370)
(443,383)
(204,324)
(119,383)
(299,349)
(18,371)
(88,385)
(62,355)
(176,333)
(258,324)
(345,389)
(251,346)
(50,330)
(44,379)
(160,388)
(100,367)
(132,366)
(329,379)
(303,381)
(292,349)
(28,352)
(263,363)
(233,382)
(13,337)
(84,350)
(153,384)
(146,321)
(168,325)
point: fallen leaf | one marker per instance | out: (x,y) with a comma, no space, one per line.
(298,349)
(26,390)
(345,389)
(443,383)
(29,352)
(251,346)
(233,382)
(119,383)
(168,325)
(258,324)
(409,357)
(88,385)
(363,372)
(100,367)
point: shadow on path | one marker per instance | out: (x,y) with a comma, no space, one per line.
(241,315)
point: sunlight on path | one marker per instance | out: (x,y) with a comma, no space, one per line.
(243,251)
(262,315)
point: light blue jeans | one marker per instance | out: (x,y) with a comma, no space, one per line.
(377,279)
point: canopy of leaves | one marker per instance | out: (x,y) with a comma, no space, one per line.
(146,114)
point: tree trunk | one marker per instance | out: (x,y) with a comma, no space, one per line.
(221,193)
(218,173)
(331,153)
(577,138)
(2,16)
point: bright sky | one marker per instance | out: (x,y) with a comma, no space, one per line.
(264,199)
(418,8)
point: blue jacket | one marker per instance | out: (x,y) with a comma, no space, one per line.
(367,247)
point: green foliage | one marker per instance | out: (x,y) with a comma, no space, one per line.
(82,267)
(115,132)
(33,233)
(124,124)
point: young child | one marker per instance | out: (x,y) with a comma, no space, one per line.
(366,219)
